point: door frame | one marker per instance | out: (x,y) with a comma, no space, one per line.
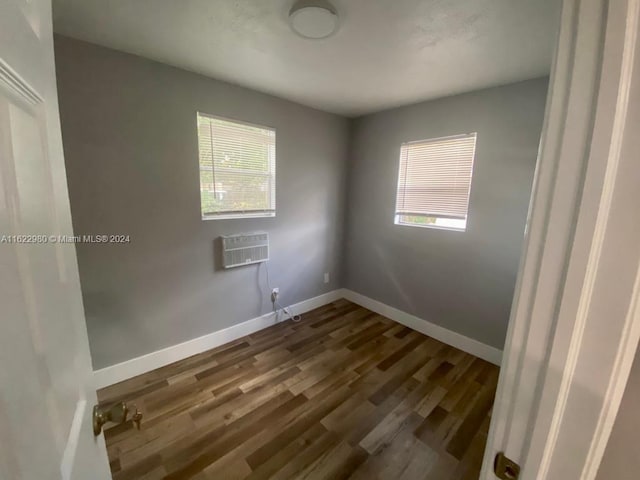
(45,423)
(575,320)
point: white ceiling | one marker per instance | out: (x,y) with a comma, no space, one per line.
(386,53)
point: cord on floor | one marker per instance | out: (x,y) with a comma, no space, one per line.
(276,303)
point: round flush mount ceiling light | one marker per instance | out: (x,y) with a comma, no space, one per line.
(314,19)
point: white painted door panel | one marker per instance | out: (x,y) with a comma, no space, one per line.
(575,324)
(45,368)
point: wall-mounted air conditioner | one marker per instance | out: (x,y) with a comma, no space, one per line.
(244,249)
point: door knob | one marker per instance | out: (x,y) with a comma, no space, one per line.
(117,414)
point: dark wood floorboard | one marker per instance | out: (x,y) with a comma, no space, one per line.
(345,393)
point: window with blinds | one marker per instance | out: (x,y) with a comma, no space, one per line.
(237,169)
(434,182)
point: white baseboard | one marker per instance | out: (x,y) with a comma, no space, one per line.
(457,340)
(137,366)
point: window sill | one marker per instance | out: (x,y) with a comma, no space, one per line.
(232,216)
(433,227)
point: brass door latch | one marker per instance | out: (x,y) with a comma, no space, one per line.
(117,414)
(505,468)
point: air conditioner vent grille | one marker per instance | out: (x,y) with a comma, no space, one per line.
(245,249)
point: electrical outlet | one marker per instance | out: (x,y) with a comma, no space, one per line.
(274,294)
(326,277)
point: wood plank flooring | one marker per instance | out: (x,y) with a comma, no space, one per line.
(345,393)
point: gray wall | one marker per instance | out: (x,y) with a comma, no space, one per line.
(129,130)
(463,281)
(621,459)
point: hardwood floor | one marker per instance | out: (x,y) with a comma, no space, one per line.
(345,393)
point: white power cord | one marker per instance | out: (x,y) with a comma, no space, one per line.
(276,303)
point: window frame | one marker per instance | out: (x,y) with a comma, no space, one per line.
(231,215)
(396,216)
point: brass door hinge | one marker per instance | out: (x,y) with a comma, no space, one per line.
(505,468)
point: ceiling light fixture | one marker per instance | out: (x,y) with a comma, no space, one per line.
(314,19)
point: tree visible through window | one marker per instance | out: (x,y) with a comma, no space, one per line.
(237,168)
(434,182)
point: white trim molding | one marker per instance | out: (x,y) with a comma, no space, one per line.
(457,340)
(13,83)
(145,363)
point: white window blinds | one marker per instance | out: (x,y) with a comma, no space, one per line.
(237,168)
(434,181)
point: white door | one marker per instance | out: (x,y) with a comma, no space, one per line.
(575,323)
(46,394)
